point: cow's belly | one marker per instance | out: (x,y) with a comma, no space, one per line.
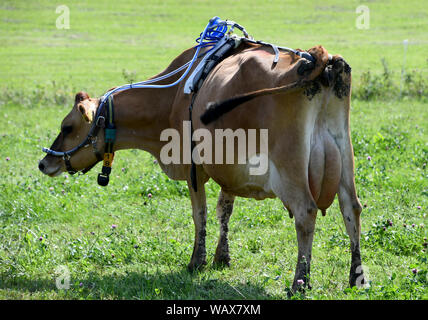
(324,172)
(238,180)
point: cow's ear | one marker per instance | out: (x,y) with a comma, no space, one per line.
(80,96)
(87,108)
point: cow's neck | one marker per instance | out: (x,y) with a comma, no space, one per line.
(140,117)
(142,114)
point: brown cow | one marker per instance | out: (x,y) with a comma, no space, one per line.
(310,155)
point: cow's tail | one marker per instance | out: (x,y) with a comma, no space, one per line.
(216,109)
(304,70)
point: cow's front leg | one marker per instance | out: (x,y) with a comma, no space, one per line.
(224,210)
(199,211)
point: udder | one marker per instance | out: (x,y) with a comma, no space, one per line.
(324,170)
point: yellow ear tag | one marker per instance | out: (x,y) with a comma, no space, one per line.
(108,159)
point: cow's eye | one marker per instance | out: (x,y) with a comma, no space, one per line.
(66,130)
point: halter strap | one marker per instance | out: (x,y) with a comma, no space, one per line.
(103,113)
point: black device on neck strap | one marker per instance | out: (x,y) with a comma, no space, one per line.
(109,139)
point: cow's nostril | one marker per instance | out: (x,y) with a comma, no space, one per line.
(41,166)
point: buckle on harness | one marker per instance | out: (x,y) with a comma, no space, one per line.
(68,166)
(101,122)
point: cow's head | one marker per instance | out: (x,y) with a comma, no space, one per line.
(74,129)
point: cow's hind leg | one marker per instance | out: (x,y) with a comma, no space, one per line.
(199,211)
(297,199)
(305,213)
(339,104)
(224,211)
(351,210)
(338,122)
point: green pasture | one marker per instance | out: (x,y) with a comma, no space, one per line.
(119,243)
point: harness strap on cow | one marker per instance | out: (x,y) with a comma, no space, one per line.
(302,54)
(220,53)
(192,146)
(68,165)
(109,139)
(275,49)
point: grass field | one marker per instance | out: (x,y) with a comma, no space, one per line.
(116,242)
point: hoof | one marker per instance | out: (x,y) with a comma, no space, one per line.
(357,277)
(295,292)
(358,281)
(298,287)
(221,264)
(196,266)
(221,261)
